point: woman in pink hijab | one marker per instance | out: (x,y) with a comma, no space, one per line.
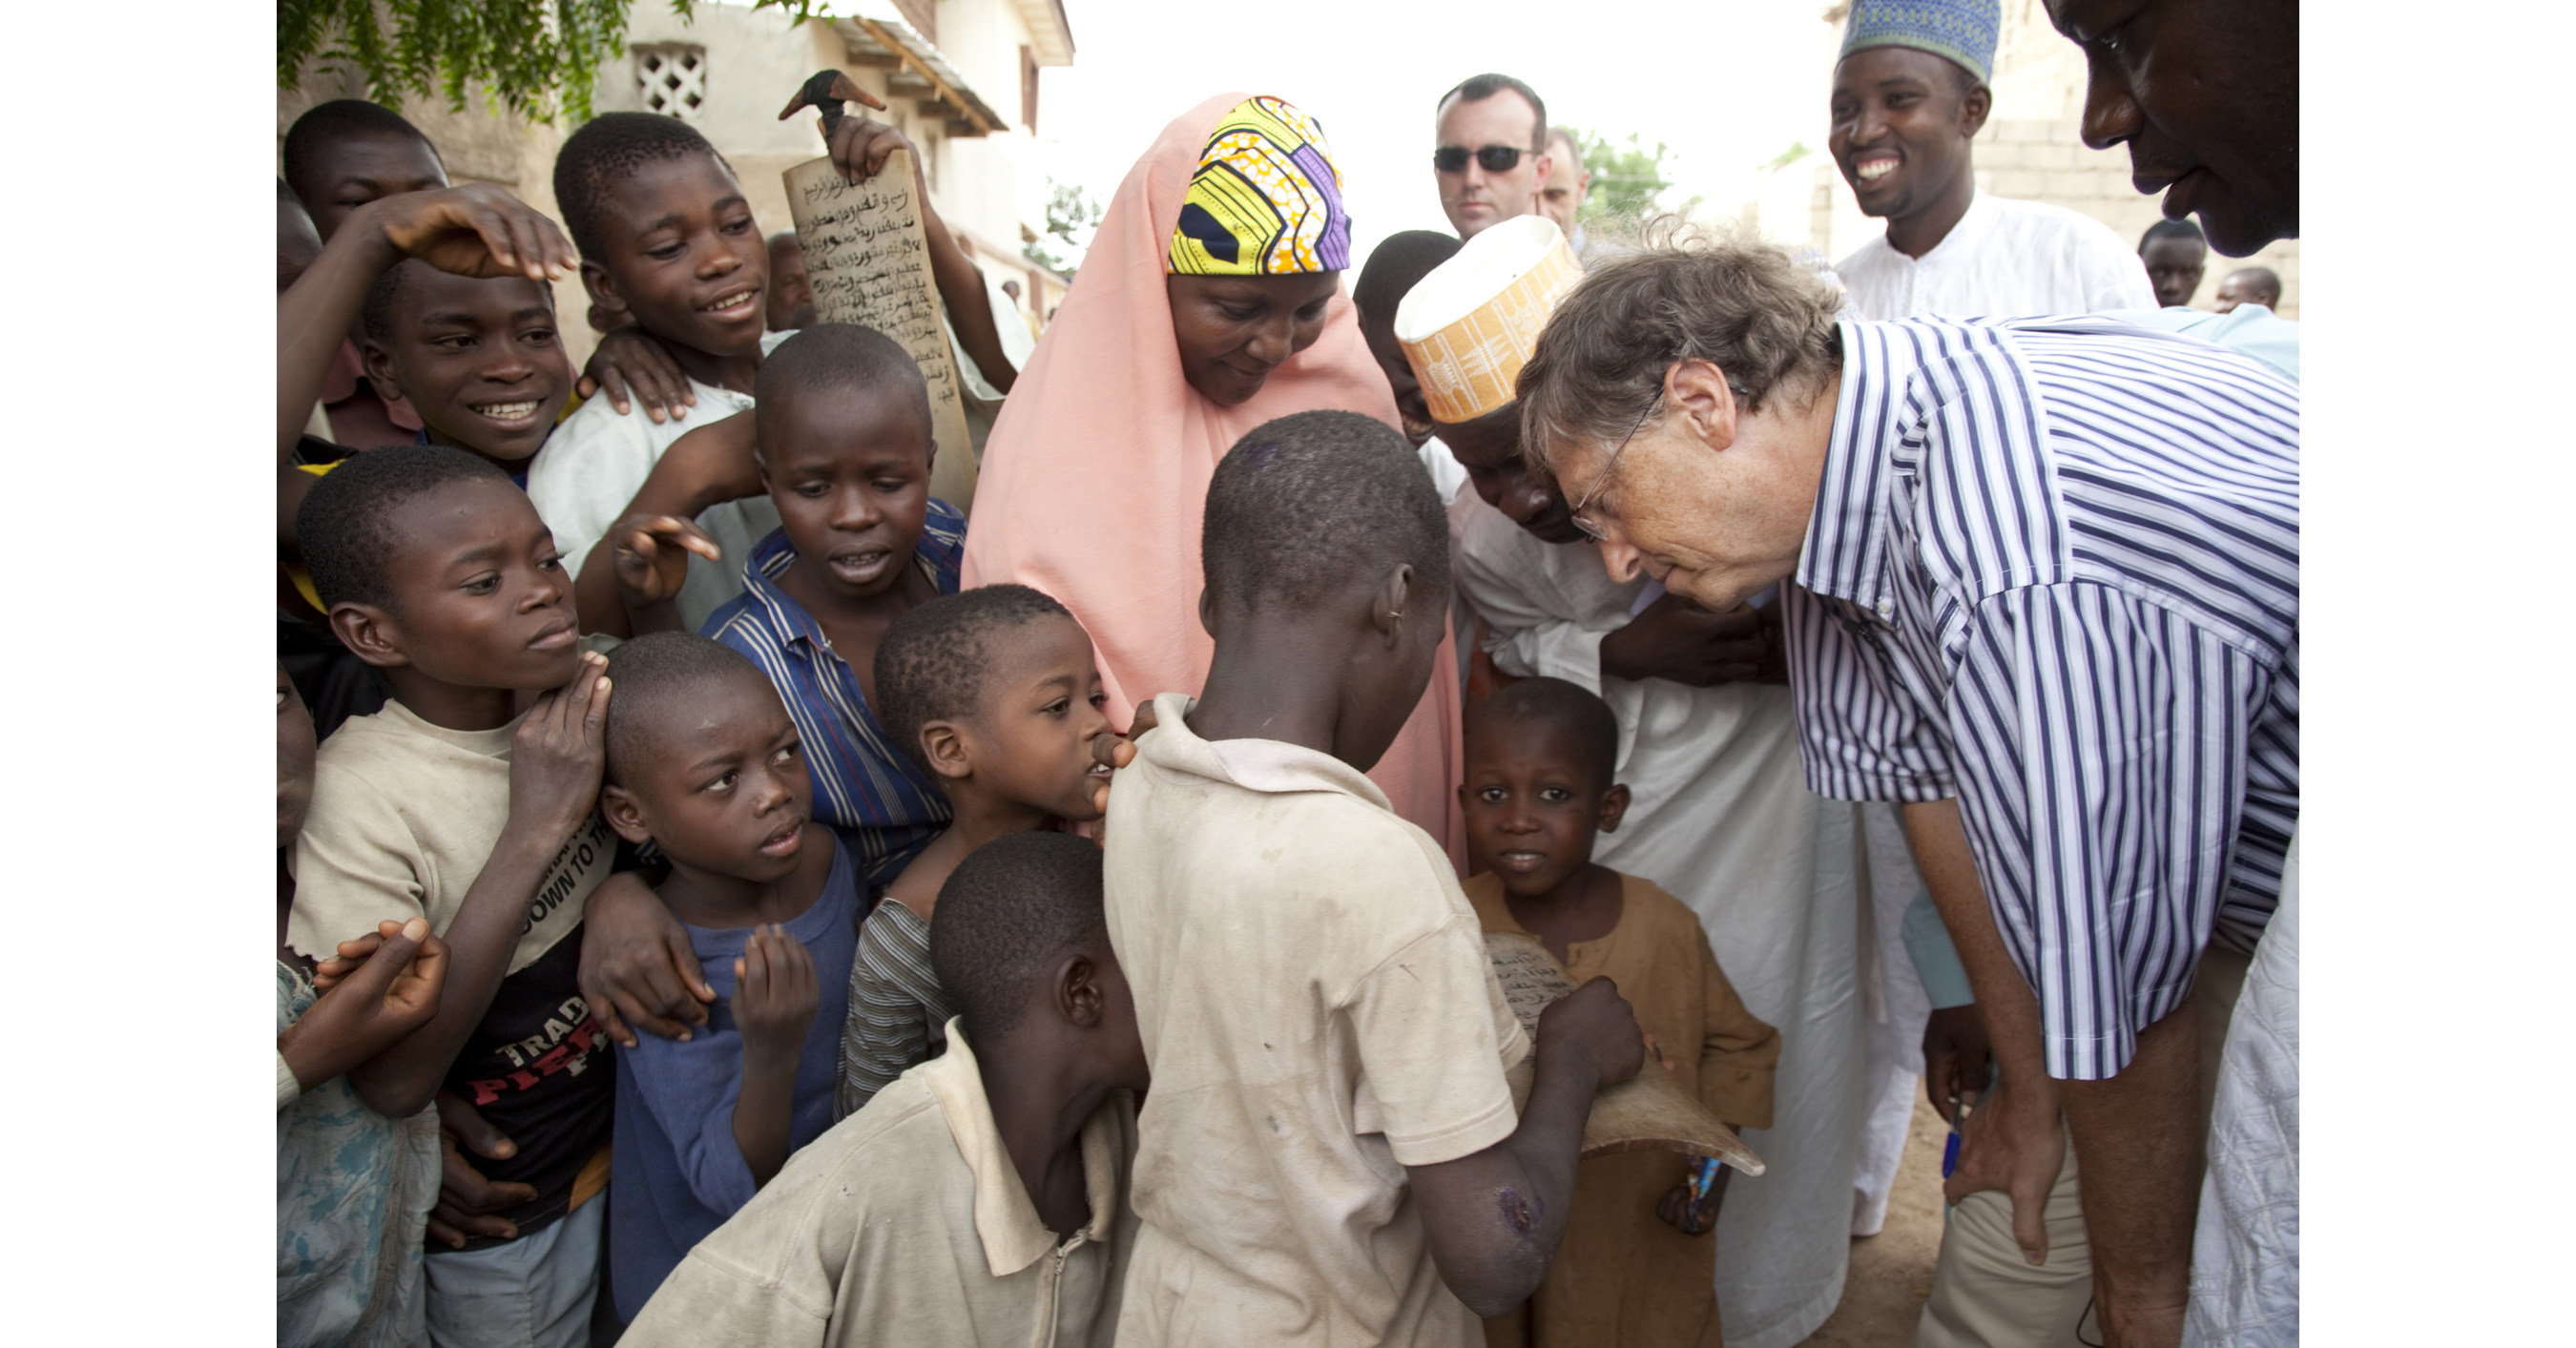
(1210,302)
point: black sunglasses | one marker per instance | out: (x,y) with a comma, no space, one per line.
(1495,158)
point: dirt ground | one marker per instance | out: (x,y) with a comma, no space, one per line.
(1891,1272)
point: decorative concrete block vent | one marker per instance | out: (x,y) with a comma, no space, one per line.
(673,78)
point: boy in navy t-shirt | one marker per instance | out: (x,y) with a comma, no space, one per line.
(704,763)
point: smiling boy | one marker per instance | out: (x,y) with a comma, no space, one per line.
(668,244)
(478,359)
(1909,94)
(704,763)
(456,805)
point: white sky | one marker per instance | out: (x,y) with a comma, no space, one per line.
(1727,83)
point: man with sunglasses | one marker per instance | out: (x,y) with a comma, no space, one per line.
(1492,157)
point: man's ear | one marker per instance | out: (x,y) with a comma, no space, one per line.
(1697,390)
(1614,807)
(380,369)
(1973,109)
(1386,611)
(1078,997)
(946,747)
(1207,611)
(603,294)
(624,813)
(370,634)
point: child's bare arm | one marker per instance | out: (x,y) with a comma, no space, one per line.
(710,465)
(774,999)
(859,147)
(392,994)
(474,230)
(554,784)
(1494,1219)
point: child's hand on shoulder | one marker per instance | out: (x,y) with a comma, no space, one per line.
(629,363)
(474,230)
(651,554)
(775,993)
(557,754)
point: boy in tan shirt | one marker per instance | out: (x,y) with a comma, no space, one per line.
(1638,1265)
(981,1198)
(1332,1152)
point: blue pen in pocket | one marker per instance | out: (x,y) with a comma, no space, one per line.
(1703,1177)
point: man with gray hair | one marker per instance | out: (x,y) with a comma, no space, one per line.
(2047,595)
(1491,157)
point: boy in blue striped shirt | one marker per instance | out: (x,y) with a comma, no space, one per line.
(844,445)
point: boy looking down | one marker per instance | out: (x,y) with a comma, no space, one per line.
(704,764)
(668,244)
(844,451)
(981,1199)
(1539,789)
(468,801)
(843,448)
(1333,1150)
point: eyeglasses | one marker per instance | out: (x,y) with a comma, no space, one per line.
(1592,531)
(1494,158)
(1589,530)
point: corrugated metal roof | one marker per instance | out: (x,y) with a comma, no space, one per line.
(876,28)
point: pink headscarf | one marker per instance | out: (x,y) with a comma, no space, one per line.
(1095,478)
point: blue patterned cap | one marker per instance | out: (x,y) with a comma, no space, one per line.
(1963,30)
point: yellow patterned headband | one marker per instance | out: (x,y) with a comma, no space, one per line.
(1266,200)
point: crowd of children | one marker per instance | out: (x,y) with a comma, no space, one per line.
(703,920)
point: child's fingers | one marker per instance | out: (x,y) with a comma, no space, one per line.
(594,721)
(372,978)
(684,962)
(421,984)
(474,1133)
(612,385)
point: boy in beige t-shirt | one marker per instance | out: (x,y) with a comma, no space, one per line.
(982,1198)
(1331,1150)
(453,805)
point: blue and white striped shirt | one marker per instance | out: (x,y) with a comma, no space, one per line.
(863,785)
(2053,571)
